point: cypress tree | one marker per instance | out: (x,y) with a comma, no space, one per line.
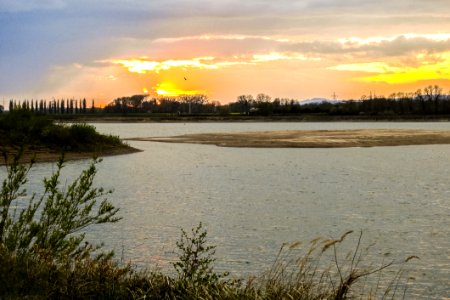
(84,105)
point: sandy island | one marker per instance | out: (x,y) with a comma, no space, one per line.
(312,138)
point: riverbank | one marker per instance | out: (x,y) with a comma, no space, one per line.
(312,138)
(41,155)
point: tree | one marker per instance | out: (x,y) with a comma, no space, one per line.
(136,101)
(76,107)
(432,95)
(84,105)
(419,96)
(264,104)
(244,103)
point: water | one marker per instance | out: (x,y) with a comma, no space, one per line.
(253,200)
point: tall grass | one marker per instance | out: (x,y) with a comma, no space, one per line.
(302,277)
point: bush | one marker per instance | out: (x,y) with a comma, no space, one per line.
(195,258)
(52,223)
(24,128)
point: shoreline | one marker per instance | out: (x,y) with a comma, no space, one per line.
(148,118)
(311,138)
(49,155)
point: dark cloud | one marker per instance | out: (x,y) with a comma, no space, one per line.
(399,46)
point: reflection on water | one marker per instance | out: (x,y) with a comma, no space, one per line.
(253,200)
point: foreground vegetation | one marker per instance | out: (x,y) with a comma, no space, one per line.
(44,255)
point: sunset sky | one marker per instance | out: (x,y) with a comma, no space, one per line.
(223,48)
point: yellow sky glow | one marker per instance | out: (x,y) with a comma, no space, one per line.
(437,69)
(169,89)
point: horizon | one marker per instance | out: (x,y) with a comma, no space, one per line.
(289,49)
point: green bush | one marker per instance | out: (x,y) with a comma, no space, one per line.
(24,128)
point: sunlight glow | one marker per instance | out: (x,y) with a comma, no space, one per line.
(143,66)
(275,56)
(371,67)
(435,69)
(170,90)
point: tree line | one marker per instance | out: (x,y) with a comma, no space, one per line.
(185,104)
(430,100)
(54,106)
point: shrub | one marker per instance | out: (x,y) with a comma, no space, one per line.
(24,128)
(51,223)
(195,258)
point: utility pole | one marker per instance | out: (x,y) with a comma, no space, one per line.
(334,96)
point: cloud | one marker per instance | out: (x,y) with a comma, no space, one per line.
(376,47)
(29,5)
(144,65)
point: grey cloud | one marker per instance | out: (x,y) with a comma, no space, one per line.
(387,48)
(402,46)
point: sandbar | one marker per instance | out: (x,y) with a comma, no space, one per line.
(311,138)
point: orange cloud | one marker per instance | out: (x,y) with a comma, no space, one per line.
(144,66)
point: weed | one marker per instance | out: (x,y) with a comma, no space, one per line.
(196,258)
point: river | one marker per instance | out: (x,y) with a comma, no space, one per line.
(251,201)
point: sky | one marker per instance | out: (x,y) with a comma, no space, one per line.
(106,49)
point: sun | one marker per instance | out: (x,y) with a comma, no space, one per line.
(169,89)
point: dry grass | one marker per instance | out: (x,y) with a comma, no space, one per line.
(316,270)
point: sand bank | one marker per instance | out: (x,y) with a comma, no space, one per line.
(312,139)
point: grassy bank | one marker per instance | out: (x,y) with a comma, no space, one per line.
(39,137)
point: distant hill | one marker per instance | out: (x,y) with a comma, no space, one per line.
(318,101)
